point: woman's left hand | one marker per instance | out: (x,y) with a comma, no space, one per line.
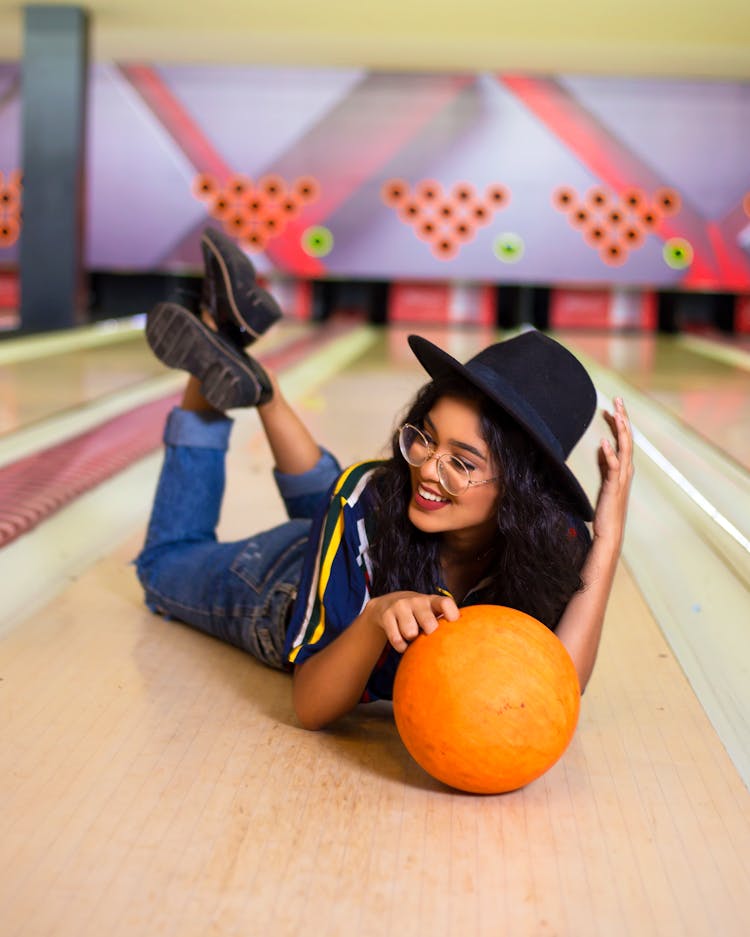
(580,626)
(616,469)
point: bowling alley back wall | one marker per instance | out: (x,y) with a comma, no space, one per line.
(485,178)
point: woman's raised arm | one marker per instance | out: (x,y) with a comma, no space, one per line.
(580,626)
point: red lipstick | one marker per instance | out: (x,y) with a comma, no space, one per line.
(426,505)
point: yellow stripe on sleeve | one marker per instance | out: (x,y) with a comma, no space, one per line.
(326,562)
(325,572)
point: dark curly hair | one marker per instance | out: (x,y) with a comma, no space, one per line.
(536,558)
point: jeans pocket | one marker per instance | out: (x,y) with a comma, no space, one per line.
(263,630)
(267,649)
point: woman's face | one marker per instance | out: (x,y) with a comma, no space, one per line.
(453,427)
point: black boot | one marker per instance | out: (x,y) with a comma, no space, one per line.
(229,378)
(241,309)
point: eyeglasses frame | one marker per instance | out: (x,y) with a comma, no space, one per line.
(432,454)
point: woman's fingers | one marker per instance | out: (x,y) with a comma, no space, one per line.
(616,460)
(445,605)
(400,625)
(409,614)
(625,436)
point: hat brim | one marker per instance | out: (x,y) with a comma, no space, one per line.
(439,363)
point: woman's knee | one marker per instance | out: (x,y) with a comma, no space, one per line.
(144,568)
(152,566)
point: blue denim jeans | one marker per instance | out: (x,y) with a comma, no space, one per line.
(241,592)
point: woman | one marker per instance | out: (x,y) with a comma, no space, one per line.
(475,505)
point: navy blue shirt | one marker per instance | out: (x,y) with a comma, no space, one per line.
(337,577)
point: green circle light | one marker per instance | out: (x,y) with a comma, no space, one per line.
(509,247)
(677,253)
(317,241)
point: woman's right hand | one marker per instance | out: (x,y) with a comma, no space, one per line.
(331,682)
(402,615)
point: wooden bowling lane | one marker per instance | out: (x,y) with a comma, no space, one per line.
(154,781)
(705,384)
(59,471)
(47,377)
(688,538)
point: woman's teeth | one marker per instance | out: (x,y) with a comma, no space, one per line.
(428,495)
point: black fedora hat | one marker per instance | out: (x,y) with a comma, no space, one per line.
(540,384)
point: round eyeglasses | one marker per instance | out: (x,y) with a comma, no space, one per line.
(454,474)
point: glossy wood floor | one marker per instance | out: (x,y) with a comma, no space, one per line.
(706,385)
(154,781)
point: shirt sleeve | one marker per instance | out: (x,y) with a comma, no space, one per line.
(335,581)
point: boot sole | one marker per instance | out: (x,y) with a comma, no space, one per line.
(181,341)
(226,279)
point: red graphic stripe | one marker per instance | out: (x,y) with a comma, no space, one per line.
(362,154)
(178,123)
(734,261)
(612,163)
(186,133)
(734,266)
(365,154)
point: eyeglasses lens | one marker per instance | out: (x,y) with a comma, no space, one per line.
(414,447)
(453,474)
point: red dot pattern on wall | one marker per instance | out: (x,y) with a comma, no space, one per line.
(615,225)
(11,190)
(255,212)
(446,220)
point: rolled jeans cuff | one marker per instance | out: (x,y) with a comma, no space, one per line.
(200,430)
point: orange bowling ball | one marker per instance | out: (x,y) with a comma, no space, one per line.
(487,703)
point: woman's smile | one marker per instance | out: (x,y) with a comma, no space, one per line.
(427,499)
